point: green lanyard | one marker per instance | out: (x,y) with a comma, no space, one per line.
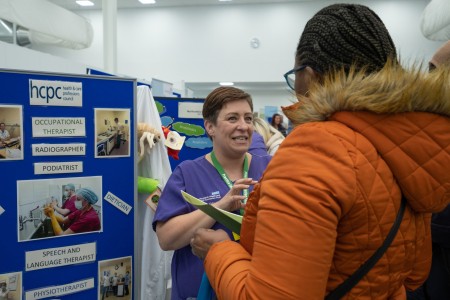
(225,178)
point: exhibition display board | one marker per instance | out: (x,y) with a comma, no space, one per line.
(184,115)
(68,185)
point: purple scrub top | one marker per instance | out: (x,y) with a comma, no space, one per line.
(200,179)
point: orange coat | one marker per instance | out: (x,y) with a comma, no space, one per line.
(332,191)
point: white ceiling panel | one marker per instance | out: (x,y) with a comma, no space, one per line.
(123,4)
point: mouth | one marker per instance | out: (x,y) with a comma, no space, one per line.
(240,138)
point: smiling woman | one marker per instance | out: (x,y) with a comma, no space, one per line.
(222,178)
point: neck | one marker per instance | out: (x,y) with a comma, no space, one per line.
(233,166)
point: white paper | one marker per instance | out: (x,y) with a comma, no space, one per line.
(60,290)
(58,167)
(62,256)
(118,203)
(58,127)
(58,149)
(55,93)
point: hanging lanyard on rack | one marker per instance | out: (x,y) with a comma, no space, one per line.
(225,178)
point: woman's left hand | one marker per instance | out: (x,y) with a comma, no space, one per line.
(203,240)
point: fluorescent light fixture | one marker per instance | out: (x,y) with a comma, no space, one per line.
(226,83)
(225,0)
(147,1)
(85,3)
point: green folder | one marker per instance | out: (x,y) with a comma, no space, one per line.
(229,220)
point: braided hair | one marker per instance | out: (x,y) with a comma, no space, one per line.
(344,35)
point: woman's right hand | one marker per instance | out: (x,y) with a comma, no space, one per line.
(233,200)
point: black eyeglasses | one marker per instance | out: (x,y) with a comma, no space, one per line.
(290,76)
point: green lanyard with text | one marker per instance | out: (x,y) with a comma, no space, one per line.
(225,178)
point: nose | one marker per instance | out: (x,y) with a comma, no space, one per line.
(242,124)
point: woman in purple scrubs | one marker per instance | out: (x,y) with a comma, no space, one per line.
(222,178)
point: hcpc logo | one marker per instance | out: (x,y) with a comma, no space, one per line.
(44,92)
(55,93)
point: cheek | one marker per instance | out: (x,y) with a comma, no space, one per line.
(301,85)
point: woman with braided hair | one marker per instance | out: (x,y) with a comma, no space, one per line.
(361,173)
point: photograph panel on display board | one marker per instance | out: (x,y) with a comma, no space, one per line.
(11,286)
(49,208)
(112,132)
(11,132)
(115,278)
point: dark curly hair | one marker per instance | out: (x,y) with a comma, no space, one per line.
(344,35)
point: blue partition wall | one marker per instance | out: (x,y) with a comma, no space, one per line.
(170,110)
(117,176)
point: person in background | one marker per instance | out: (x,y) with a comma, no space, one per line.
(85,219)
(272,137)
(370,139)
(4,134)
(119,132)
(127,283)
(277,123)
(258,146)
(105,285)
(221,178)
(115,281)
(68,205)
(437,284)
(4,293)
(441,57)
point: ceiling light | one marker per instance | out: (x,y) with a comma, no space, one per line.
(225,0)
(226,83)
(85,3)
(147,1)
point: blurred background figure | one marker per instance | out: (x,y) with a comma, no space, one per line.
(277,123)
(69,201)
(3,292)
(258,146)
(442,56)
(4,134)
(271,136)
(119,132)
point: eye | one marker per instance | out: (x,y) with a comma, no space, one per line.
(232,118)
(249,119)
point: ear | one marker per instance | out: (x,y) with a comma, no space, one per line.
(209,128)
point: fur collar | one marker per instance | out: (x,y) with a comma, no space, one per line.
(392,90)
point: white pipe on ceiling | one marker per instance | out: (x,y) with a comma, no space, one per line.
(435,20)
(48,23)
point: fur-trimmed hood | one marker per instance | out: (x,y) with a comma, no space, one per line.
(405,114)
(392,90)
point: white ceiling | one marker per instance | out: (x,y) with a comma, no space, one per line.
(201,89)
(122,4)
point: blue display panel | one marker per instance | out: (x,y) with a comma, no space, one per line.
(58,124)
(196,143)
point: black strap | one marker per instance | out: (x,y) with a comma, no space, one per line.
(350,282)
